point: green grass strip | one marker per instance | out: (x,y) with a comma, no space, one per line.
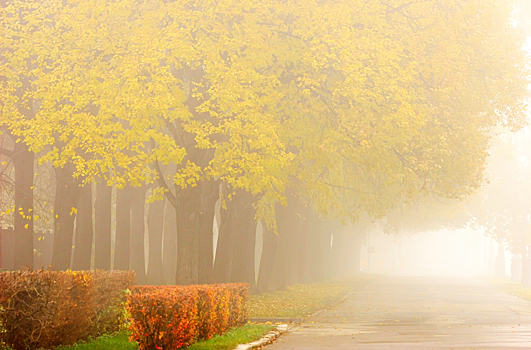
(228,341)
(234,337)
(119,341)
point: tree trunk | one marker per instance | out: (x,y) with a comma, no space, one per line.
(66,198)
(192,204)
(84,230)
(283,255)
(266,273)
(358,239)
(244,240)
(336,245)
(289,237)
(292,228)
(526,270)
(210,195)
(155,220)
(169,249)
(500,260)
(206,260)
(23,161)
(122,245)
(318,249)
(1,251)
(187,215)
(223,262)
(102,227)
(137,261)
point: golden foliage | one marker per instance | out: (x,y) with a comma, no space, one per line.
(360,105)
(301,300)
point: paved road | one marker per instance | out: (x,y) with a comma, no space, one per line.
(418,313)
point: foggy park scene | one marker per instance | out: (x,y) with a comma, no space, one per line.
(239,174)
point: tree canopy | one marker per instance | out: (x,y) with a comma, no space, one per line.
(356,105)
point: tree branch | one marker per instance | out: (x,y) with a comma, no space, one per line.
(7,152)
(162,182)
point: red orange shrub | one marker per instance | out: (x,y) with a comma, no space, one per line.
(170,317)
(163,318)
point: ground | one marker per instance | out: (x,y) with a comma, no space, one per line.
(418,313)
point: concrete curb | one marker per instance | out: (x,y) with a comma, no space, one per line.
(296,320)
(266,339)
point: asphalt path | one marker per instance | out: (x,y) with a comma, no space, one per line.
(417,313)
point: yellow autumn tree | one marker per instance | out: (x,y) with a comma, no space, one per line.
(356,105)
(397,99)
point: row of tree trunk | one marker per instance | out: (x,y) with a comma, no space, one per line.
(180,237)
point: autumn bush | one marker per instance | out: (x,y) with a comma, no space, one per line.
(43,309)
(109,299)
(170,317)
(238,311)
